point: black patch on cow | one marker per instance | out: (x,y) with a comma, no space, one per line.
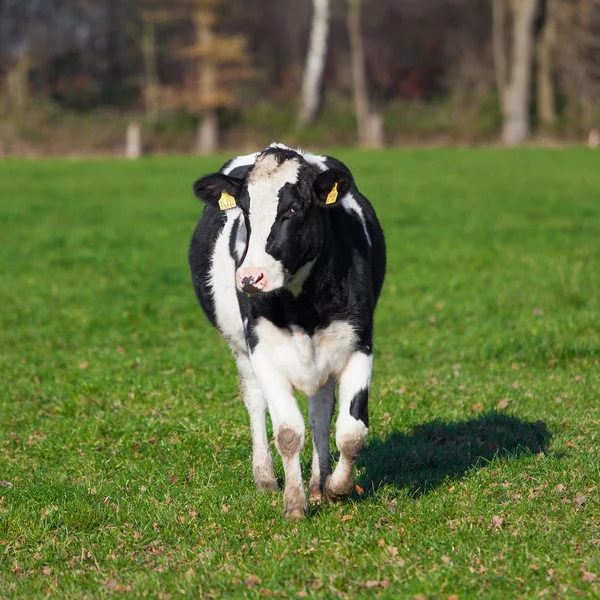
(280,154)
(359,407)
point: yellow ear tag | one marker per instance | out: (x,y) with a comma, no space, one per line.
(333,194)
(226,201)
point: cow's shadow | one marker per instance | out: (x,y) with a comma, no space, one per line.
(433,452)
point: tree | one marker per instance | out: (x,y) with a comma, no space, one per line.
(218,61)
(514,69)
(315,61)
(369,125)
(546,104)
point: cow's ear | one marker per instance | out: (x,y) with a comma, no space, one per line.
(331,186)
(219,190)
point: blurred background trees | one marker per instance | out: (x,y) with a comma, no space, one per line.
(199,74)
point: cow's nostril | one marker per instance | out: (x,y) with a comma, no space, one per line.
(252,281)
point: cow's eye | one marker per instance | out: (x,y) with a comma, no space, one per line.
(294,208)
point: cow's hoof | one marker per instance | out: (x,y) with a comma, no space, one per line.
(294,503)
(334,495)
(316,497)
(315,493)
(267,485)
(296,514)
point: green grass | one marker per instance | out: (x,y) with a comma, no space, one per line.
(127,448)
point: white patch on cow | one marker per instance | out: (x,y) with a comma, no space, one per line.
(295,281)
(240,161)
(222,284)
(305,361)
(355,377)
(350,204)
(264,183)
(241,240)
(317,160)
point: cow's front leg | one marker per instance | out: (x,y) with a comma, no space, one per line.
(320,411)
(254,400)
(288,428)
(352,423)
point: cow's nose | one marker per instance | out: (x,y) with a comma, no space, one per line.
(251,281)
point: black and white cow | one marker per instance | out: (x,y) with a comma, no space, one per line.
(288,260)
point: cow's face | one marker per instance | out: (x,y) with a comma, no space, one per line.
(282,200)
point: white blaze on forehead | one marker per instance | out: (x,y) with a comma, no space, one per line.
(264,184)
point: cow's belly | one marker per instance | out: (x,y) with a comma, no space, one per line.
(306,361)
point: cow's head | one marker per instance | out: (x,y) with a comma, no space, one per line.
(283,199)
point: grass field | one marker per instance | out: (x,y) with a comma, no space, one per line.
(124,446)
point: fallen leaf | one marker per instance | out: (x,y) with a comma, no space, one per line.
(346,517)
(46,571)
(579,500)
(445,559)
(120,350)
(252,580)
(503,403)
(110,583)
(358,489)
(477,406)
(560,488)
(587,576)
(372,583)
(83,364)
(393,550)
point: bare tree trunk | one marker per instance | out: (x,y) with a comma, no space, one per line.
(545,86)
(315,62)
(208,129)
(17,81)
(208,133)
(499,45)
(133,141)
(151,84)
(370,130)
(518,90)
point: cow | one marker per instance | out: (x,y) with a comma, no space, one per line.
(288,261)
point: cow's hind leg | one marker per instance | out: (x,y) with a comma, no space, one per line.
(262,462)
(320,411)
(352,423)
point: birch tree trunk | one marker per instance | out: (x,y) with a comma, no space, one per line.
(517,92)
(315,62)
(370,130)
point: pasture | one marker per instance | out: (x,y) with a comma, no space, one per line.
(124,447)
